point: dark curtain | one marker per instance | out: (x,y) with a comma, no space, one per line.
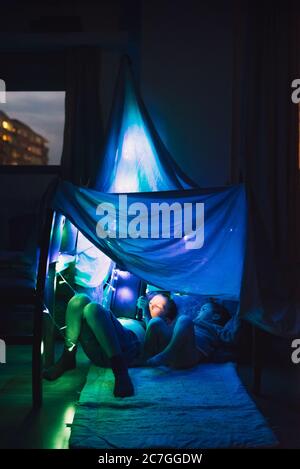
(265,146)
(83,134)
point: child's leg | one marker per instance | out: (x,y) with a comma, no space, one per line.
(102,325)
(74,316)
(109,333)
(157,337)
(181,352)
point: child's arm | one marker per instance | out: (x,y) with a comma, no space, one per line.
(142,303)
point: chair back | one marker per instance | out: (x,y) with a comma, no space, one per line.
(43,256)
(58,221)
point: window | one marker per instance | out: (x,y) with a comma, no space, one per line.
(31,128)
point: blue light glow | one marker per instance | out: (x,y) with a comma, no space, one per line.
(125,293)
(136,166)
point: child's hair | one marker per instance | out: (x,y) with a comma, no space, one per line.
(172,310)
(221,314)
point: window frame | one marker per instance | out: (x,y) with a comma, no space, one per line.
(30,169)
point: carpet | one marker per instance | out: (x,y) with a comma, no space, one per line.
(203,407)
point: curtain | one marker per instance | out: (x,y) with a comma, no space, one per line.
(82,148)
(265,146)
(83,134)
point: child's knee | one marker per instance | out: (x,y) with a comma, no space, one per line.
(79,301)
(156,323)
(185,321)
(93,310)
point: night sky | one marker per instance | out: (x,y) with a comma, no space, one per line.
(42,111)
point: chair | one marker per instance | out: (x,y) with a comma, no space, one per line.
(34,289)
(63,246)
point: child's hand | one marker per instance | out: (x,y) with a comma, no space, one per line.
(142,303)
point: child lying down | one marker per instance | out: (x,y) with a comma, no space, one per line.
(177,340)
(163,337)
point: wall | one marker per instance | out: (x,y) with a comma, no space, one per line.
(19,194)
(182,53)
(186,81)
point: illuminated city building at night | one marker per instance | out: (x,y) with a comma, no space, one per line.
(19,144)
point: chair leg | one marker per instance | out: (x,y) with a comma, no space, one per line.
(37,391)
(256,360)
(49,341)
(49,328)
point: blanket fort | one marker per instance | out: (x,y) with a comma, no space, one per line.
(215,268)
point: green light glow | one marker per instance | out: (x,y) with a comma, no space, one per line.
(62,436)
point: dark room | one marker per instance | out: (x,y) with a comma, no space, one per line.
(150,230)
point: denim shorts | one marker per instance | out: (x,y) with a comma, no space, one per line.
(129,342)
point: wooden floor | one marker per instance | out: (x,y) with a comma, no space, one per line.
(20,428)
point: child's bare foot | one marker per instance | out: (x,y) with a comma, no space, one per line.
(123,385)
